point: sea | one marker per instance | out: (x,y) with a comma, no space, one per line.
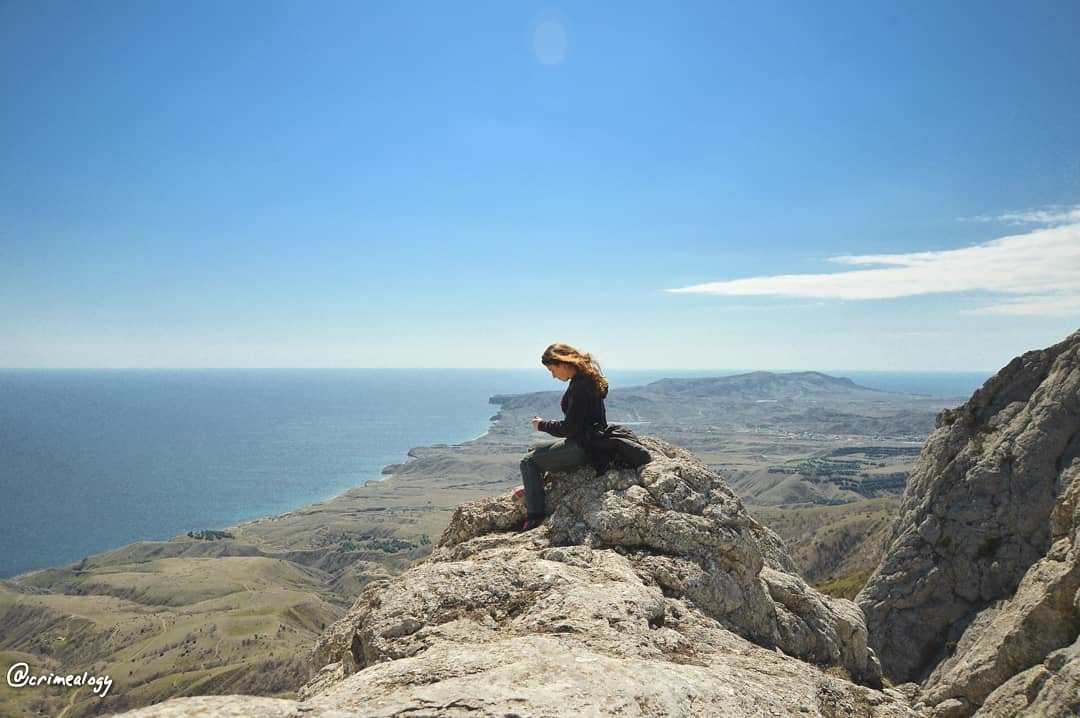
(92,460)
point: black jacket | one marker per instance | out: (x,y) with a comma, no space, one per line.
(586,423)
(583,408)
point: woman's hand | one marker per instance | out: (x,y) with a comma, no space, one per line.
(536,423)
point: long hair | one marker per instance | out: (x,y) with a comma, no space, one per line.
(583,361)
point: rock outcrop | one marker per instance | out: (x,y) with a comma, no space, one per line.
(675,523)
(977,595)
(1006,661)
(649,593)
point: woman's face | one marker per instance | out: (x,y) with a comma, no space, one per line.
(562,372)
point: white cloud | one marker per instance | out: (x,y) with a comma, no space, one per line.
(1047,216)
(1042,268)
(1051,305)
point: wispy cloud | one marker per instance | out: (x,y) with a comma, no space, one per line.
(1049,216)
(1039,272)
(1050,305)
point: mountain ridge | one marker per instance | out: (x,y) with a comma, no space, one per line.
(765,380)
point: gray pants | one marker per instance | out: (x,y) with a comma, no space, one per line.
(547,456)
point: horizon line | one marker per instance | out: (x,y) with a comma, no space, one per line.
(479,368)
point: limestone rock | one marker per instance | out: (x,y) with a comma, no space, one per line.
(1048,690)
(1010,637)
(980,581)
(237,706)
(647,593)
(685,529)
(477,518)
(507,624)
(678,525)
(511,625)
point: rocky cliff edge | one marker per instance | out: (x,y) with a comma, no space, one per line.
(978,595)
(647,593)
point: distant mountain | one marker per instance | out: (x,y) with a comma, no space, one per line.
(801,402)
(753,386)
(758,385)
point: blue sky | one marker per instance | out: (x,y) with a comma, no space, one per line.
(435,184)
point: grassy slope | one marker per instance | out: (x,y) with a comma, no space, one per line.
(167,627)
(187,617)
(835,547)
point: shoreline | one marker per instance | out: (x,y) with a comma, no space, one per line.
(380,478)
(273,586)
(500,435)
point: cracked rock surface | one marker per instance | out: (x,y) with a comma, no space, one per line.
(647,593)
(979,584)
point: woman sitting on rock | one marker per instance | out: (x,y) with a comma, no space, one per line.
(583,409)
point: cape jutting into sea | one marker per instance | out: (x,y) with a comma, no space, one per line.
(91,460)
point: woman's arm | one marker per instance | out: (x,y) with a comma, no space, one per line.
(552,426)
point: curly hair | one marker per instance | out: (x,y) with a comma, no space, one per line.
(584,362)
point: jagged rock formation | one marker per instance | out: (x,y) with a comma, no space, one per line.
(980,581)
(1020,635)
(681,529)
(648,593)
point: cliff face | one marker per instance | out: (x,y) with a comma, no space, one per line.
(648,593)
(980,579)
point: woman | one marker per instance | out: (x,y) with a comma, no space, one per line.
(583,408)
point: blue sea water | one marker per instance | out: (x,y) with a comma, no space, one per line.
(91,460)
(946,384)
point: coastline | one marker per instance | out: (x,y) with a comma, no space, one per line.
(226,608)
(68,550)
(385,474)
(242,609)
(448,472)
(147,456)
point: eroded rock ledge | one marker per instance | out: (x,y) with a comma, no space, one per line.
(649,593)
